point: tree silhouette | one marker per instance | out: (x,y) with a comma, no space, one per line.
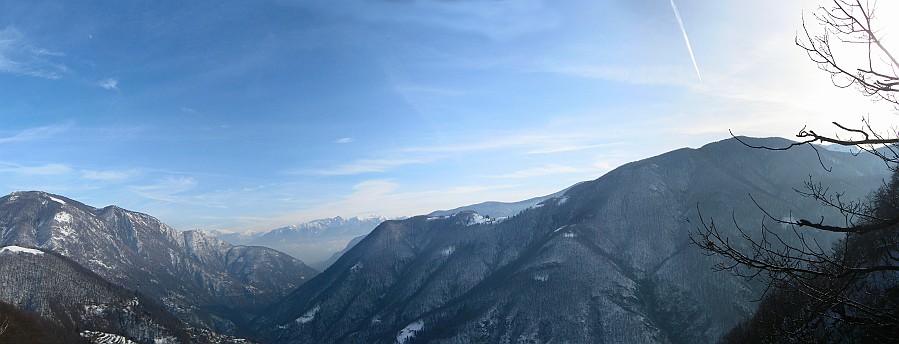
(819,292)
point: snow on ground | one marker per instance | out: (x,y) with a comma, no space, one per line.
(308,316)
(57,200)
(448,251)
(62,217)
(562,200)
(105,338)
(100,263)
(409,331)
(19,249)
(63,226)
(476,219)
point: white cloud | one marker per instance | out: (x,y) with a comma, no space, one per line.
(19,57)
(38,170)
(109,176)
(345,140)
(170,189)
(109,84)
(364,166)
(539,171)
(35,133)
(566,148)
(637,75)
(494,19)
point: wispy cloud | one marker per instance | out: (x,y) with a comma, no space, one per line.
(494,19)
(35,133)
(567,148)
(498,141)
(19,57)
(169,189)
(109,176)
(637,75)
(109,84)
(686,39)
(540,171)
(37,170)
(345,140)
(363,166)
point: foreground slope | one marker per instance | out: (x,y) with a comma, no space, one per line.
(609,261)
(58,289)
(199,278)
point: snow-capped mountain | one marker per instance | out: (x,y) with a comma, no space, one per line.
(609,261)
(199,278)
(498,210)
(313,241)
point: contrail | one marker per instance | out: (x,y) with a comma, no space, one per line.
(686,39)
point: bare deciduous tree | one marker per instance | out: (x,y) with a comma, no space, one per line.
(832,287)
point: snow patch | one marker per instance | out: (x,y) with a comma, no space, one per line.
(569,235)
(541,278)
(560,228)
(476,219)
(20,249)
(57,200)
(409,331)
(356,267)
(537,206)
(63,217)
(105,338)
(562,200)
(448,251)
(308,316)
(95,310)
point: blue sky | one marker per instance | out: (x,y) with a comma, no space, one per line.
(255,115)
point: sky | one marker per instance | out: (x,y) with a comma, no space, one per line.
(254,115)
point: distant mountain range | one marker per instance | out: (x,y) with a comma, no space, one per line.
(608,261)
(314,241)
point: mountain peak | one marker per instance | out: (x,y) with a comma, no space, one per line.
(187,271)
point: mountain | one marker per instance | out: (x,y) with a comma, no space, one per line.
(313,241)
(608,261)
(498,209)
(322,265)
(56,288)
(201,279)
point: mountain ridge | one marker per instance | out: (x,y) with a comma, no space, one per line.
(618,246)
(199,278)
